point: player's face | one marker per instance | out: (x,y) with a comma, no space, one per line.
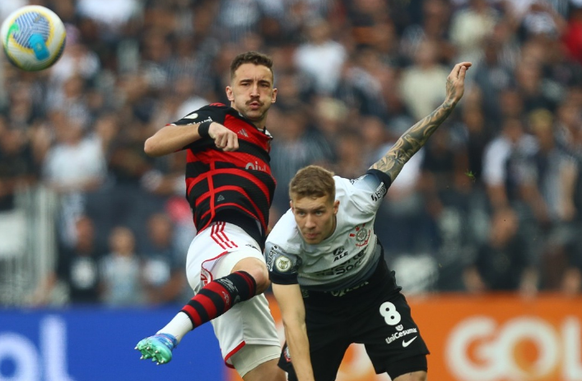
(315,217)
(251,92)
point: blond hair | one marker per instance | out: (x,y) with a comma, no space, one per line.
(312,181)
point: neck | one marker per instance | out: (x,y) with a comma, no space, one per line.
(332,227)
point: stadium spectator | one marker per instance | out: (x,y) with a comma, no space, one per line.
(502,263)
(163,264)
(421,85)
(122,282)
(471,26)
(76,277)
(73,166)
(17,170)
(321,56)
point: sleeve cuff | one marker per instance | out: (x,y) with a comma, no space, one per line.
(381,176)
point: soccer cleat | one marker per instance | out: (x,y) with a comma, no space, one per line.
(158,347)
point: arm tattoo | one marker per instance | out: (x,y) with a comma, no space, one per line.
(412,140)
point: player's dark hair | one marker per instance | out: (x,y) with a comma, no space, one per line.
(255,58)
(312,181)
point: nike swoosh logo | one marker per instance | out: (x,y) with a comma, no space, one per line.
(407,343)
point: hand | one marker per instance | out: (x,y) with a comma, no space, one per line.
(456,82)
(224,138)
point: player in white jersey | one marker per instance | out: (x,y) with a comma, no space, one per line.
(327,268)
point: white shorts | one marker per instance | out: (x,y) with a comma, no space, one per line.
(212,254)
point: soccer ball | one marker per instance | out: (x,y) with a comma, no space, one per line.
(33,37)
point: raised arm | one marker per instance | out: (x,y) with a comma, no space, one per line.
(292,308)
(416,136)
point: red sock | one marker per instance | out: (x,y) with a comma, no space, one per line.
(219,296)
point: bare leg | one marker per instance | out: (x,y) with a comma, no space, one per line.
(267,371)
(414,376)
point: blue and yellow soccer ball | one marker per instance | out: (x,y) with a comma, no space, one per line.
(33,37)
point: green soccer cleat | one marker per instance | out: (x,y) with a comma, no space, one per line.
(158,347)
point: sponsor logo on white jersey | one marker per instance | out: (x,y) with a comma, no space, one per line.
(380,192)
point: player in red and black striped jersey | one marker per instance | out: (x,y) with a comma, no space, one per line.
(230,189)
(235,186)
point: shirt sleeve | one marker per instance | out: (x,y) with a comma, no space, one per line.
(198,116)
(204,114)
(367,192)
(382,177)
(283,267)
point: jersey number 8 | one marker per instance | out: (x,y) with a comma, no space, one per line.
(389,313)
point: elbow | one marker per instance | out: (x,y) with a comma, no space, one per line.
(151,148)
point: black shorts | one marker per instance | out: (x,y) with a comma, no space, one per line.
(375,314)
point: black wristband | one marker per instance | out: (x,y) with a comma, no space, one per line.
(203,129)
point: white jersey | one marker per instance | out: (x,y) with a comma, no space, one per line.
(346,258)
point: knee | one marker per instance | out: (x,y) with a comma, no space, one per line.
(257,269)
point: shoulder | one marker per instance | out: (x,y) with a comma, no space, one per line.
(365,193)
(372,181)
(215,112)
(282,250)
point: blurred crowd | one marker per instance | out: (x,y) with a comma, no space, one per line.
(492,203)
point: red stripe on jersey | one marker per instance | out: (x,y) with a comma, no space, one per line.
(241,173)
(229,188)
(258,213)
(192,181)
(235,172)
(242,160)
(212,191)
(247,132)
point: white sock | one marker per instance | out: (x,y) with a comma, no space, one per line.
(179,326)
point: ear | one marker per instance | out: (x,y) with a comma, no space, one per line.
(335,206)
(229,93)
(291,204)
(274,98)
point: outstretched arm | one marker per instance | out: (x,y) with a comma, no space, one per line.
(416,136)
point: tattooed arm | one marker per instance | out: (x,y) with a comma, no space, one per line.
(416,136)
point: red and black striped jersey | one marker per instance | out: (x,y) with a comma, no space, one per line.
(229,186)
